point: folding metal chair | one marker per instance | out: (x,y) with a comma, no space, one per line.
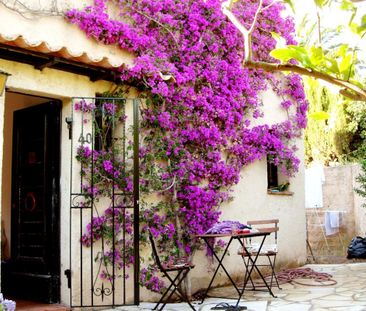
(181,267)
(268,250)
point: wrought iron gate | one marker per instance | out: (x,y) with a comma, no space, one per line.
(104,202)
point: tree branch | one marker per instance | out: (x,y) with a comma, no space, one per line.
(348,89)
(29,12)
(247,33)
(269,5)
(226,9)
(158,23)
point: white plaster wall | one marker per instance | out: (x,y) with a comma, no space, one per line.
(251,202)
(271,108)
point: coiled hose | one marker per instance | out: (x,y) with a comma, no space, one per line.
(293,276)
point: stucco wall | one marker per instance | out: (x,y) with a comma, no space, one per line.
(251,202)
(250,197)
(338,195)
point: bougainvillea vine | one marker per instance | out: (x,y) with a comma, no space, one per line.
(199,103)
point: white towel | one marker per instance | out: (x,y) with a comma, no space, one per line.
(334,218)
(329,230)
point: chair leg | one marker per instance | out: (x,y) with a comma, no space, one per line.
(186,299)
(273,275)
(183,296)
(247,267)
(175,289)
(172,284)
(273,265)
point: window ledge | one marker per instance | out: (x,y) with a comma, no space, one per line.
(288,193)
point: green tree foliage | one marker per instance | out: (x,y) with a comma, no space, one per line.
(336,130)
(321,132)
(357,125)
(328,53)
(336,124)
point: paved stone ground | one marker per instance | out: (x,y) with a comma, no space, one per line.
(349,294)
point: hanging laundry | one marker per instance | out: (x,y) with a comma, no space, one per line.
(331,222)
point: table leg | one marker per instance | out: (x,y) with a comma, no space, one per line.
(253,266)
(220,260)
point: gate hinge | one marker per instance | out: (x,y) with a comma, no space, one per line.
(68,120)
(68,275)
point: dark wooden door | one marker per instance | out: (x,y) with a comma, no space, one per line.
(35,229)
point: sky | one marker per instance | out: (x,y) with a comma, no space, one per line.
(330,17)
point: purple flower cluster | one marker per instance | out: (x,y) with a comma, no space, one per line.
(102,171)
(199,120)
(226,226)
(84,106)
(149,279)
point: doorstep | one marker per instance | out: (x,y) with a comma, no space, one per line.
(24,305)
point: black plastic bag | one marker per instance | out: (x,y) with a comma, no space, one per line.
(357,248)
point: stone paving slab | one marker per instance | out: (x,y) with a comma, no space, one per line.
(348,294)
(207,305)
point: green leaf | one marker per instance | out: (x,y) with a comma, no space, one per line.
(331,65)
(362,27)
(304,54)
(298,53)
(354,27)
(319,115)
(358,83)
(316,55)
(285,54)
(320,3)
(342,50)
(347,5)
(344,65)
(291,4)
(363,20)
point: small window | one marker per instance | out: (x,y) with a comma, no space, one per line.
(277,183)
(272,175)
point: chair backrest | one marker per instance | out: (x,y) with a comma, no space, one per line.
(266,225)
(154,250)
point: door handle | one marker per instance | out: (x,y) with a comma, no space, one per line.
(30,196)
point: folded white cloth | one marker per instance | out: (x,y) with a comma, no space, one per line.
(334,218)
(254,247)
(331,222)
